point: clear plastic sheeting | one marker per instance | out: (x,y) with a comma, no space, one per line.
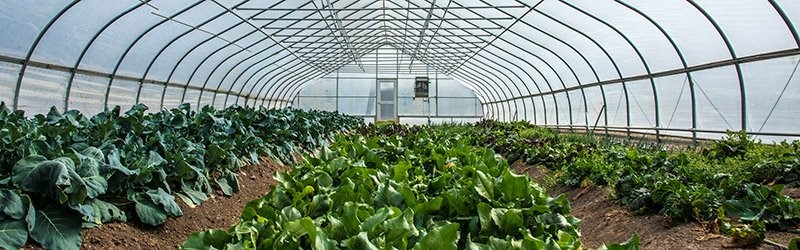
(23,21)
(172,97)
(190,94)
(385,90)
(150,95)
(123,93)
(87,94)
(777,101)
(8,77)
(42,89)
(691,68)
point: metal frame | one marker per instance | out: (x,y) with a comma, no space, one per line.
(482,45)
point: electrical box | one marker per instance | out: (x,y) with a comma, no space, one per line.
(421,84)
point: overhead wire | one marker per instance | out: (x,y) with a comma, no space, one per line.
(677,103)
(712,104)
(785,86)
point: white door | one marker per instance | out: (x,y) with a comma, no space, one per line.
(387,96)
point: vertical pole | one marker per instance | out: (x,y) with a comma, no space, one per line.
(428,99)
(477,106)
(336,90)
(694,110)
(396,84)
(436,81)
(377,88)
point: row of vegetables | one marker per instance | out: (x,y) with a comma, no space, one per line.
(428,190)
(732,186)
(443,187)
(62,172)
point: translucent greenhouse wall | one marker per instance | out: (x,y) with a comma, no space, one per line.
(355,94)
(352,90)
(691,68)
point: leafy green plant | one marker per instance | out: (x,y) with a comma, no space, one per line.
(61,172)
(435,193)
(682,185)
(766,205)
(736,144)
(745,235)
(630,244)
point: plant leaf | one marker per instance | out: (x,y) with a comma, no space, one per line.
(57,228)
(106,212)
(443,237)
(11,204)
(630,244)
(214,239)
(150,213)
(13,234)
(484,185)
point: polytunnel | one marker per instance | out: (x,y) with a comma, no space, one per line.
(692,69)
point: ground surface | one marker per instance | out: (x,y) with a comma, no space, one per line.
(218,212)
(605,221)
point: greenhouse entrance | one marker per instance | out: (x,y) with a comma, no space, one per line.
(387,100)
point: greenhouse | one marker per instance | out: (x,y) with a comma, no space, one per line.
(385,124)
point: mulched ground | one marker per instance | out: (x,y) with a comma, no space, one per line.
(605,221)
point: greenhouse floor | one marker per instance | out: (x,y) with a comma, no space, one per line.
(603,220)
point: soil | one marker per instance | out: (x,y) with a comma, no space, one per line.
(217,212)
(605,221)
(793,192)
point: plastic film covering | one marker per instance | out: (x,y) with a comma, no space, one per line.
(352,92)
(88,93)
(688,68)
(8,75)
(42,89)
(150,95)
(123,93)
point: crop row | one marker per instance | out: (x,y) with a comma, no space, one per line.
(61,172)
(732,186)
(429,190)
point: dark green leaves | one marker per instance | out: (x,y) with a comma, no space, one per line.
(154,206)
(72,162)
(765,204)
(17,218)
(228,183)
(106,212)
(57,228)
(56,179)
(13,233)
(12,204)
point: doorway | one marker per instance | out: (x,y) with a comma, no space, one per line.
(387,100)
